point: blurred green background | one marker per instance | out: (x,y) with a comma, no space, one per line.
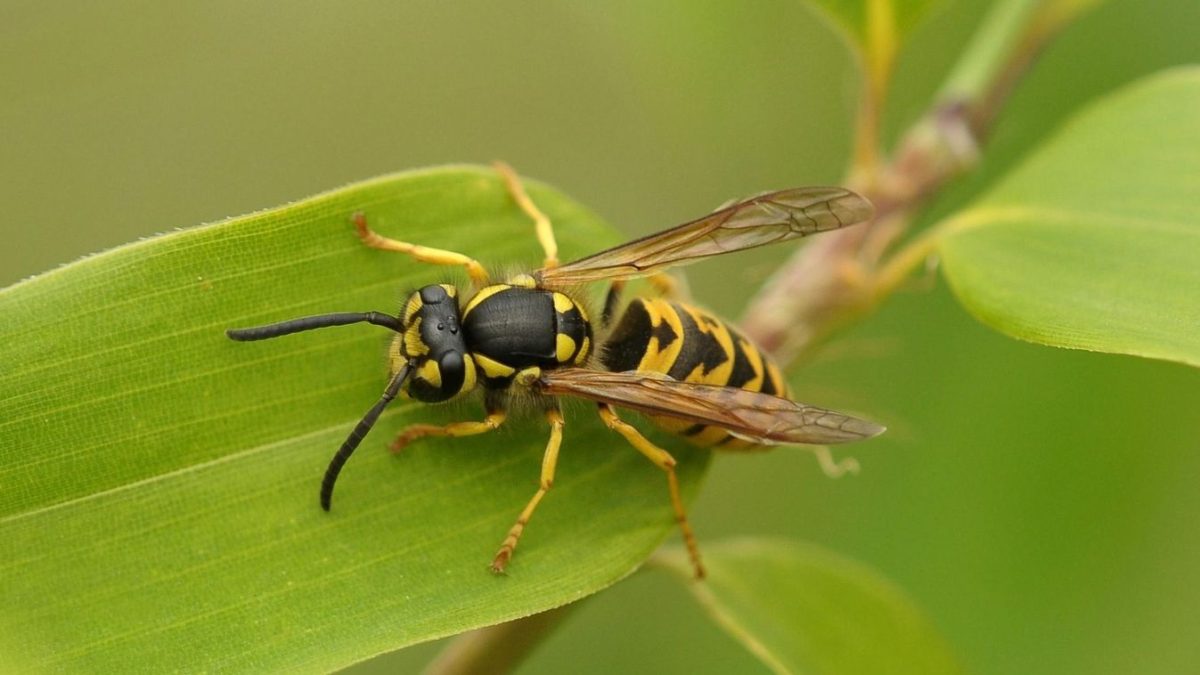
(1039,504)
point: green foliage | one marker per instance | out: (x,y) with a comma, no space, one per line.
(1094,242)
(802,609)
(158,482)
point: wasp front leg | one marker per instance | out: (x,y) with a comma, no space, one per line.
(425,254)
(494,419)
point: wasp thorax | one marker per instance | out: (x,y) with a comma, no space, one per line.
(433,343)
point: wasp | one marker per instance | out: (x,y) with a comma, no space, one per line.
(530,336)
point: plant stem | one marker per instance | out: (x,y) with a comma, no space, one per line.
(841,276)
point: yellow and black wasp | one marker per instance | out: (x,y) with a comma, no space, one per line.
(687,370)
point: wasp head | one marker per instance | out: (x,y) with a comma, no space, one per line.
(432,342)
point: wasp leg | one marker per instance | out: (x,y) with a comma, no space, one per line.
(409,434)
(663,460)
(835,468)
(549,462)
(667,286)
(545,230)
(425,254)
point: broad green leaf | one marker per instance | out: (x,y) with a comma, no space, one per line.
(1094,242)
(158,482)
(802,609)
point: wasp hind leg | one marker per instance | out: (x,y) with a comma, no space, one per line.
(425,254)
(545,229)
(663,460)
(549,463)
(494,419)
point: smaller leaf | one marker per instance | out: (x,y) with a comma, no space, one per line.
(1094,242)
(802,609)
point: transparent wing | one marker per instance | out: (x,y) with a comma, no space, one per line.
(756,417)
(766,219)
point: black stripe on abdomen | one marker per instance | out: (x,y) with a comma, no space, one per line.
(699,348)
(627,345)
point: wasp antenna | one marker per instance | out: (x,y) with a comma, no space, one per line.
(313,322)
(360,430)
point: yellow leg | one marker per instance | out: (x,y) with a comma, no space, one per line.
(425,254)
(545,231)
(668,286)
(490,423)
(834,468)
(663,460)
(549,462)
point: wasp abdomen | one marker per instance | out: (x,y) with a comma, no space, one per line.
(690,345)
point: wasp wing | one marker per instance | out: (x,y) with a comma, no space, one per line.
(753,416)
(766,219)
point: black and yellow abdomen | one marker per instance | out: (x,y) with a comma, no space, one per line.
(510,327)
(691,345)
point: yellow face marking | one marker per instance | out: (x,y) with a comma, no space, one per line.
(413,344)
(450,290)
(395,354)
(562,303)
(410,308)
(430,372)
(564,348)
(584,350)
(491,367)
(482,295)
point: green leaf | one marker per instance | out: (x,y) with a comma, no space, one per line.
(158,482)
(802,609)
(1094,242)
